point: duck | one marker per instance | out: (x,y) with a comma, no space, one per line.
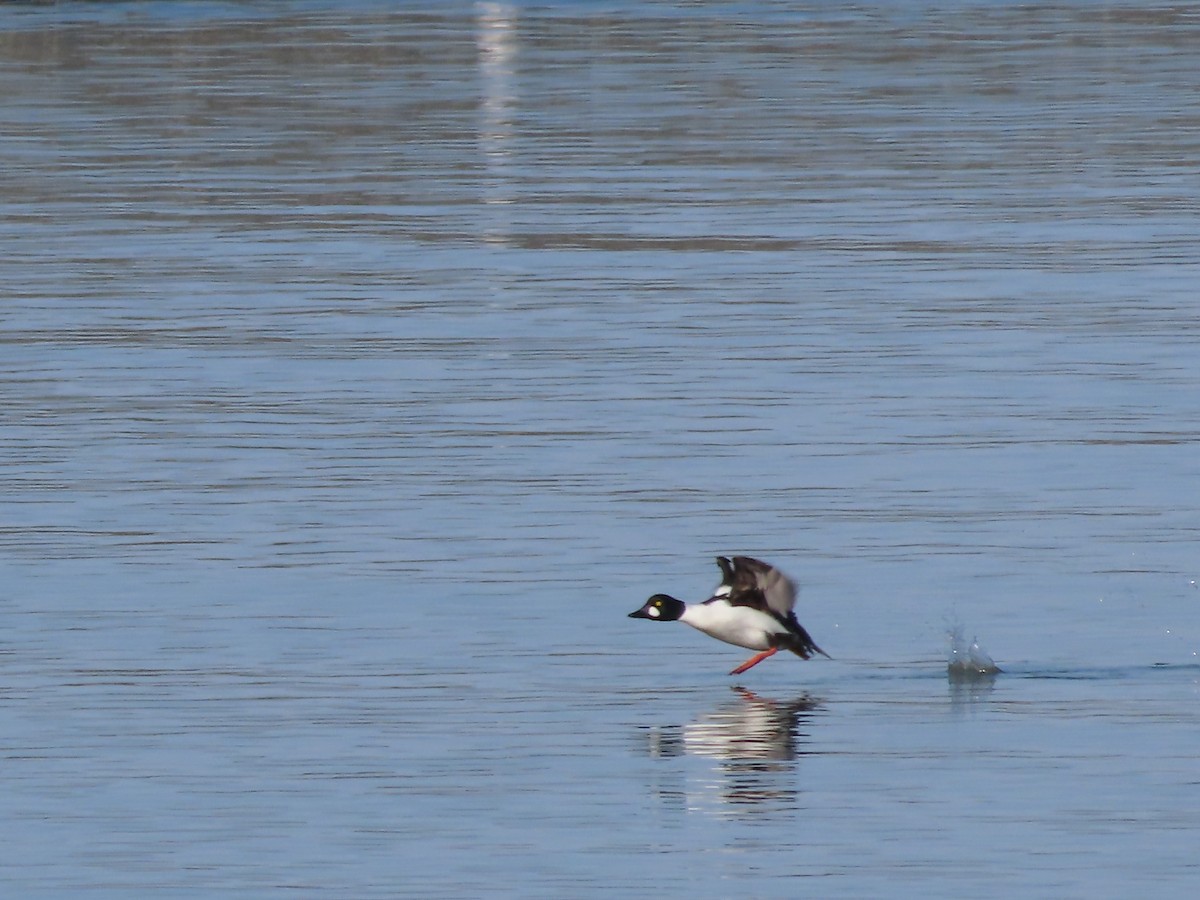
(752,607)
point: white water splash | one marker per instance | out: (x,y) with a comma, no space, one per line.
(968,660)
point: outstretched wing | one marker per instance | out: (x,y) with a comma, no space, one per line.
(751,582)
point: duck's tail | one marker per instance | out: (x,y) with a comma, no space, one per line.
(801,643)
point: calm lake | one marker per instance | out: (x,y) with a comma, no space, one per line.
(362,365)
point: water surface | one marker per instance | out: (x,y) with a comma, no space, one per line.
(362,368)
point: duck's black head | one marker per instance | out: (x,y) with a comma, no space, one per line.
(661,608)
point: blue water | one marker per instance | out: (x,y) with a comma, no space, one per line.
(362,367)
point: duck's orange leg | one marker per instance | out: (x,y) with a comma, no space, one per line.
(754,661)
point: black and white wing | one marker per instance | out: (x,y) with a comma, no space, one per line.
(751,582)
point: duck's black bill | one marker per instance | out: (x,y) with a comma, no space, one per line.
(639,614)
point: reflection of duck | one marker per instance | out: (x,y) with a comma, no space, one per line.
(751,607)
(749,728)
(751,741)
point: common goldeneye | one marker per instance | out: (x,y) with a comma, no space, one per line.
(751,607)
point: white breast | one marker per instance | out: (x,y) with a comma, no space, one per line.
(738,625)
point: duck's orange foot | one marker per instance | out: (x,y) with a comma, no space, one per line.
(754,661)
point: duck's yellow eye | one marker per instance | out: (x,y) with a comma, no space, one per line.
(658,603)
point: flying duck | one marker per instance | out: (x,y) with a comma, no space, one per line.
(751,607)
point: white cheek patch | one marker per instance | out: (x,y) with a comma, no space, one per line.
(723,590)
(653,612)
